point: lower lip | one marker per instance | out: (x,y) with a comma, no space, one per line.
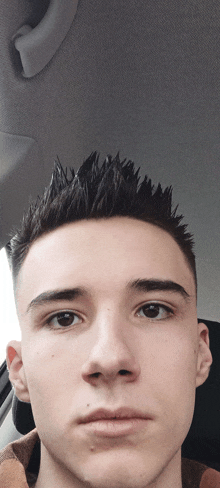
(115,428)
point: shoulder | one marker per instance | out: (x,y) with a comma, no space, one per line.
(198,475)
(14,460)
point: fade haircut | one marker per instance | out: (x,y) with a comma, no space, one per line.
(94,192)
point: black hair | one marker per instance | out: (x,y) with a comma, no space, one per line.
(94,192)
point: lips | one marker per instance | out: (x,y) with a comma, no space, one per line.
(114,423)
(124,413)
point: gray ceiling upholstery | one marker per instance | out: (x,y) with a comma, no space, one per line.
(138,76)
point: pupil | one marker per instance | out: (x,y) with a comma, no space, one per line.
(65,319)
(151,311)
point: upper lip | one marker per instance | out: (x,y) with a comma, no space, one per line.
(118,414)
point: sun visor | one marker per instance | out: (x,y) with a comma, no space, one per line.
(37,46)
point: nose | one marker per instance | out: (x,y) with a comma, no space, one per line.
(111,357)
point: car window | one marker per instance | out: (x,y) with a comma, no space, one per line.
(9,328)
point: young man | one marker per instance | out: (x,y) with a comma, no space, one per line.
(111,351)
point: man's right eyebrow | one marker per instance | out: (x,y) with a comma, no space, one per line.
(49,296)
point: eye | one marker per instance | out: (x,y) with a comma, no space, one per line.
(155,311)
(63,319)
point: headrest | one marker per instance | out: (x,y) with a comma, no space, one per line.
(203,441)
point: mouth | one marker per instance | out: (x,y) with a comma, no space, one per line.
(117,423)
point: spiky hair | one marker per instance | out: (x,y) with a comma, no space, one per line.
(94,192)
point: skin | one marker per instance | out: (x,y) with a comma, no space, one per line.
(114,353)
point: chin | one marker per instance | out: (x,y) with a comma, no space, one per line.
(127,470)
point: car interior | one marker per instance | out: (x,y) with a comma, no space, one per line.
(138,77)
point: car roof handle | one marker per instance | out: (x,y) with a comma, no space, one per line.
(38,45)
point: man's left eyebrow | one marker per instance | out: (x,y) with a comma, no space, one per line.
(147,285)
(68,294)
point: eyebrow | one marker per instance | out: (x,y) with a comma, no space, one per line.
(147,285)
(68,294)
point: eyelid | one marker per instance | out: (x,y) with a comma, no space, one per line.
(168,308)
(49,319)
(156,302)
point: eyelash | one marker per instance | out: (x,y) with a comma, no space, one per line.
(158,305)
(72,315)
(62,314)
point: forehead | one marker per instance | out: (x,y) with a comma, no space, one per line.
(102,253)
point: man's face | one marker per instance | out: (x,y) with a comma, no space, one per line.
(111,349)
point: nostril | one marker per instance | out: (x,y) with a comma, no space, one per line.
(94,375)
(124,372)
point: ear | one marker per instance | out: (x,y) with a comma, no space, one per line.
(204,360)
(16,370)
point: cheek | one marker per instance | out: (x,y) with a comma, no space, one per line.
(169,376)
(53,379)
(169,367)
(52,369)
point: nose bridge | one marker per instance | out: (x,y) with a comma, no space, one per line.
(111,337)
(110,326)
(112,353)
